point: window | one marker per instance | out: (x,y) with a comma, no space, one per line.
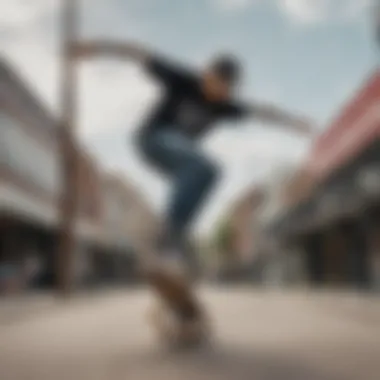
(27,157)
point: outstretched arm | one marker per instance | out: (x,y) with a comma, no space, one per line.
(168,73)
(86,50)
(272,114)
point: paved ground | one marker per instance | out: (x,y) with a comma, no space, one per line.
(17,308)
(259,336)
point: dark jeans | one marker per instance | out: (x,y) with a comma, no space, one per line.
(192,174)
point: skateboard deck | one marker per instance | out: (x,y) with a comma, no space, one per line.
(175,333)
(176,298)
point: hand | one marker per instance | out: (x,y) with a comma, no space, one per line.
(305,127)
(83,50)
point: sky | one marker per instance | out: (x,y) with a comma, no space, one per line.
(308,56)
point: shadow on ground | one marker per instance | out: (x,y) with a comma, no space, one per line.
(216,363)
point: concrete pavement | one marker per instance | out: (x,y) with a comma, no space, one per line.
(18,307)
(259,335)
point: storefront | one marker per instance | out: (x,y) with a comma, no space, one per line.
(336,223)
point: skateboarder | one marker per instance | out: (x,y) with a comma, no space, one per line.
(192,103)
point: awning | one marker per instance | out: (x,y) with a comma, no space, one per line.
(349,145)
(357,126)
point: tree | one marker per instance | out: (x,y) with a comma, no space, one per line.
(223,241)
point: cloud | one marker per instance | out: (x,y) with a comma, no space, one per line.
(233,5)
(111,95)
(303,12)
(20,13)
(318,11)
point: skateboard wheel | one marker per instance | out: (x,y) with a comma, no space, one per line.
(175,333)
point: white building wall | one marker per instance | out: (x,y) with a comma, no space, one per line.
(273,205)
(27,157)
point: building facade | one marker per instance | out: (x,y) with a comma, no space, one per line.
(31,179)
(31,188)
(332,205)
(243,217)
(129,226)
(127,213)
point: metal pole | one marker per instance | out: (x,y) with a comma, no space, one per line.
(375,14)
(68,151)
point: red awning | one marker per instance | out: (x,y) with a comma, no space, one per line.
(354,129)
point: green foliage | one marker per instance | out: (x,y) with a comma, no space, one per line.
(223,238)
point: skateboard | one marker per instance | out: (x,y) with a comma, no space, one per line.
(175,297)
(176,333)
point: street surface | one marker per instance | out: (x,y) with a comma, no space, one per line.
(259,335)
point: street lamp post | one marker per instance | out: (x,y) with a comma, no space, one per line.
(68,203)
(376,15)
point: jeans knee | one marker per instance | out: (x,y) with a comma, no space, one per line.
(208,171)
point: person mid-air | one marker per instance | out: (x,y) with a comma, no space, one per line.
(191,104)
